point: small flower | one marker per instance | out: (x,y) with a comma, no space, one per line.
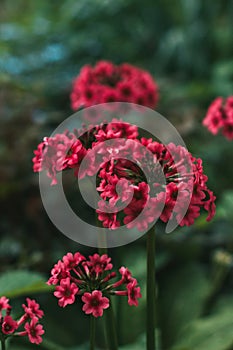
(99,263)
(4,303)
(58,273)
(95,303)
(126,274)
(34,331)
(133,293)
(66,292)
(32,309)
(9,325)
(72,260)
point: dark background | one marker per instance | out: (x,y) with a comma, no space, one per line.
(187,47)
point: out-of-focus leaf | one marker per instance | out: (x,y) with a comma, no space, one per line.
(225,207)
(181,298)
(139,345)
(211,333)
(21,282)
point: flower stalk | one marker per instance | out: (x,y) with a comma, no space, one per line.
(110,328)
(109,319)
(151,290)
(3,344)
(92,332)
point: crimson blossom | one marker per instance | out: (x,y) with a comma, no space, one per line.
(136,176)
(219,117)
(106,82)
(91,279)
(29,320)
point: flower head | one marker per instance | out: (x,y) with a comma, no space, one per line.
(219,117)
(106,82)
(91,279)
(10,327)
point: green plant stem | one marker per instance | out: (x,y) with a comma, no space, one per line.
(151,291)
(110,328)
(92,332)
(3,344)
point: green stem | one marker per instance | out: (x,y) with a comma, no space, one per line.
(110,328)
(3,344)
(92,332)
(151,290)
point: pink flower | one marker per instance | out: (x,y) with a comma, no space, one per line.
(191,214)
(57,153)
(99,263)
(66,292)
(117,129)
(34,331)
(109,219)
(91,279)
(32,309)
(95,303)
(126,277)
(4,303)
(9,325)
(219,117)
(72,260)
(58,273)
(133,293)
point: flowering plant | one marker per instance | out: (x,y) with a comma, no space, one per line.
(139,180)
(106,82)
(29,320)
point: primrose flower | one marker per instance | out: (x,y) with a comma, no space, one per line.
(106,82)
(91,280)
(29,321)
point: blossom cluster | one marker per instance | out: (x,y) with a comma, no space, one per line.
(29,320)
(91,279)
(219,117)
(136,176)
(106,82)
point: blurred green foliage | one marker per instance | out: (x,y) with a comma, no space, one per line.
(187,46)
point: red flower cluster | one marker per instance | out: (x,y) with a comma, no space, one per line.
(75,275)
(106,82)
(220,117)
(149,180)
(30,319)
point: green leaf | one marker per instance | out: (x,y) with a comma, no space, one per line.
(139,345)
(211,333)
(181,299)
(22,282)
(225,207)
